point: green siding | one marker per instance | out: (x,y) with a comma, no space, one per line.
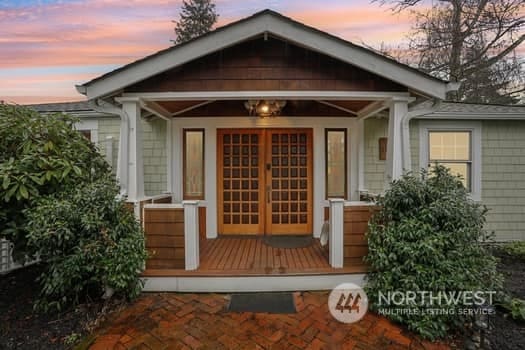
(503,178)
(502,175)
(154,151)
(375,128)
(109,127)
(414,146)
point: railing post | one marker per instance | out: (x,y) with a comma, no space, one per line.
(336,243)
(191,234)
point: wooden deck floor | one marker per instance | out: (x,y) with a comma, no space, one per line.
(232,256)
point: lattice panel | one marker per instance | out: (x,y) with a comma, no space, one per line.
(289,177)
(241,178)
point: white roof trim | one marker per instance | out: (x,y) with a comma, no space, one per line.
(473,116)
(265,94)
(266,22)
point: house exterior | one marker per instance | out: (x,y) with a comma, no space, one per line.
(268,127)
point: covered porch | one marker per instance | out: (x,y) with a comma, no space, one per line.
(263,133)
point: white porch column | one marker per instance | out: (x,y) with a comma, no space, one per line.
(356,160)
(191,234)
(135,164)
(361,156)
(394,157)
(108,145)
(336,243)
(123,154)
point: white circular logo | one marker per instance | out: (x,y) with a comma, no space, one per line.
(348,303)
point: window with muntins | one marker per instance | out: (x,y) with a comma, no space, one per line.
(452,149)
(455,144)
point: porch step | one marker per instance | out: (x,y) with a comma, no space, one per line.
(266,283)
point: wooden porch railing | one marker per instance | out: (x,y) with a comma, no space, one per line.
(348,226)
(172,235)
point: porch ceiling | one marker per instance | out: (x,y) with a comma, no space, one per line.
(233,108)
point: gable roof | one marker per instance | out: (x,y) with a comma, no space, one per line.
(266,22)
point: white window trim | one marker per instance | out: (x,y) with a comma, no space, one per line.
(90,125)
(474,127)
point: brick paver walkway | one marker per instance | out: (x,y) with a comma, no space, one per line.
(199,321)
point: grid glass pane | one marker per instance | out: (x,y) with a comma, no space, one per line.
(289,177)
(447,145)
(241,177)
(452,149)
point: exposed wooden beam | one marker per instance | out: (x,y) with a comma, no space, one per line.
(184,110)
(333,105)
(373,108)
(156,109)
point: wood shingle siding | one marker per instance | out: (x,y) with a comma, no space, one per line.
(164,229)
(266,65)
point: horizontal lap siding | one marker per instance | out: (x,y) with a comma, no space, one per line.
(164,230)
(503,178)
(354,229)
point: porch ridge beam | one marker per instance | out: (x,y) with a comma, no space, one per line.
(270,94)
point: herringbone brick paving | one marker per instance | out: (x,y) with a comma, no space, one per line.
(200,321)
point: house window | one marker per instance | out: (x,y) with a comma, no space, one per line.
(86,134)
(193,160)
(335,146)
(455,145)
(452,149)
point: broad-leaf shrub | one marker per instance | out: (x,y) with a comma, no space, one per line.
(58,201)
(90,241)
(40,155)
(427,237)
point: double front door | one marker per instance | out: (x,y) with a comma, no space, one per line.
(264,181)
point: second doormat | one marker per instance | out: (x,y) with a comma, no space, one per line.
(275,303)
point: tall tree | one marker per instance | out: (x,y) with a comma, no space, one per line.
(470,41)
(197,17)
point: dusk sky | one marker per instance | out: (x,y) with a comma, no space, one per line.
(48,46)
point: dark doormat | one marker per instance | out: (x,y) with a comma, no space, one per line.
(289,241)
(274,303)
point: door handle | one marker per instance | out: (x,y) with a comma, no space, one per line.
(268,193)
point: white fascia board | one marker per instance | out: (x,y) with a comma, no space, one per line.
(359,58)
(286,95)
(279,27)
(163,62)
(474,116)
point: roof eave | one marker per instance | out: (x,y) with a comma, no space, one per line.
(280,26)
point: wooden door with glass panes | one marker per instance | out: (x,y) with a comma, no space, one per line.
(264,181)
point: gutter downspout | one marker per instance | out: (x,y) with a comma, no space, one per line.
(405,131)
(102,106)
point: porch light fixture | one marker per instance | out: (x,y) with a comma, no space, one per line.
(265,108)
